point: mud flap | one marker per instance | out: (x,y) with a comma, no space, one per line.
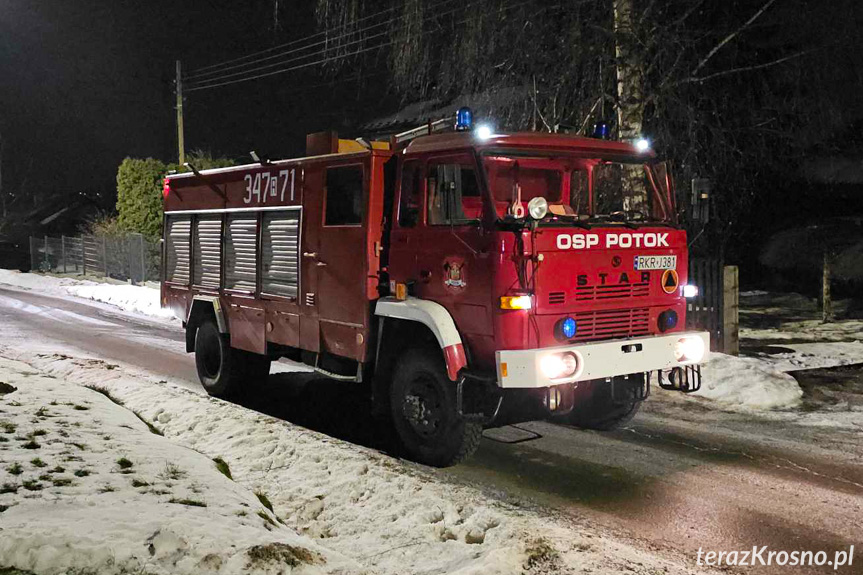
(686,379)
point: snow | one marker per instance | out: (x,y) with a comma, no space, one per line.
(136,299)
(747,383)
(358,510)
(77,508)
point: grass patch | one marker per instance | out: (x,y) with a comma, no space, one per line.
(262,497)
(31,445)
(61,482)
(124,463)
(4,439)
(38,463)
(540,553)
(78,407)
(3,508)
(188,502)
(43,412)
(282,553)
(104,391)
(39,433)
(8,426)
(139,483)
(14,571)
(172,472)
(31,485)
(266,517)
(82,473)
(45,477)
(106,489)
(9,488)
(15,469)
(6,388)
(81,446)
(222,467)
(153,429)
(58,469)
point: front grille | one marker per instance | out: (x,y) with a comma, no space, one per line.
(606,292)
(611,324)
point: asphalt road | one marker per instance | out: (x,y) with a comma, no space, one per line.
(681,477)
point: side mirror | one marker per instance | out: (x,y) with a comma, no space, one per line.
(700,201)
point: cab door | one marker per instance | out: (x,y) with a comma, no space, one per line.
(453,264)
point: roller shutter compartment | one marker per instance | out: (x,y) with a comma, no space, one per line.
(208,251)
(241,243)
(177,249)
(280,256)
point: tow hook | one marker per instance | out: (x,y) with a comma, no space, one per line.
(686,379)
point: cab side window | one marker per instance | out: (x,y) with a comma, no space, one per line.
(344,196)
(410,200)
(453,192)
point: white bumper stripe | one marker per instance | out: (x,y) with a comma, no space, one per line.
(600,360)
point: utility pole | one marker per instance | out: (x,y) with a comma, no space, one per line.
(181,144)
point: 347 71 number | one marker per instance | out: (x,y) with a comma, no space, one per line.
(270,185)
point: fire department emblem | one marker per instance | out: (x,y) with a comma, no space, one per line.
(454,274)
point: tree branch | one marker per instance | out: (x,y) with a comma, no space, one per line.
(731,37)
(702,79)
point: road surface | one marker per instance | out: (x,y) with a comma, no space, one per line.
(681,477)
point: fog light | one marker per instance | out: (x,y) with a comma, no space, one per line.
(689,350)
(555,398)
(690,291)
(667,320)
(559,365)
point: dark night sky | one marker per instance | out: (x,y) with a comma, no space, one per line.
(85,83)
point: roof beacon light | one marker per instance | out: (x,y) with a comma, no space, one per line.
(483,132)
(601,130)
(642,144)
(463,119)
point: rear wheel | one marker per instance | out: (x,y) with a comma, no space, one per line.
(222,369)
(423,408)
(595,408)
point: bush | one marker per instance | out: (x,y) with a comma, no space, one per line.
(139,192)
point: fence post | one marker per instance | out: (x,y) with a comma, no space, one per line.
(63,251)
(730,310)
(105,255)
(47,261)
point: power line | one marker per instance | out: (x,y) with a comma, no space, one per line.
(291,43)
(205,84)
(198,76)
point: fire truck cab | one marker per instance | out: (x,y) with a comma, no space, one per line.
(467,278)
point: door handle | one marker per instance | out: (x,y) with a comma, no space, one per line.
(320,264)
(312,255)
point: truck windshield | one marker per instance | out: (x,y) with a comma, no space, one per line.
(575,188)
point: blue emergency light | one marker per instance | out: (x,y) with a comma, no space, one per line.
(464,119)
(601,130)
(568,328)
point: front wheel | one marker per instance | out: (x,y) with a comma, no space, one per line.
(423,408)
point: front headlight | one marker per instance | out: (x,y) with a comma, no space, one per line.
(559,365)
(689,350)
(537,208)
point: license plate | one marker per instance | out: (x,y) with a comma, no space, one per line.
(648,263)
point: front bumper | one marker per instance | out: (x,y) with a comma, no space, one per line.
(521,368)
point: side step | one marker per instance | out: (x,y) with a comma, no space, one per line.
(358,378)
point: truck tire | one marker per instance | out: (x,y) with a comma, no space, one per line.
(423,409)
(222,369)
(595,409)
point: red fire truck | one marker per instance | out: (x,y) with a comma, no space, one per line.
(467,278)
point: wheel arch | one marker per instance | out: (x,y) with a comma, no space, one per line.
(202,309)
(413,312)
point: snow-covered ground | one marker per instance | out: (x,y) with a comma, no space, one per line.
(107,495)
